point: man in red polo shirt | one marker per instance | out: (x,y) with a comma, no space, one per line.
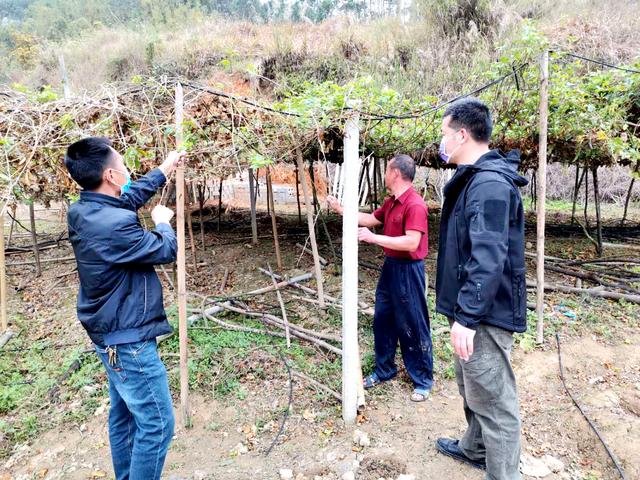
(401,307)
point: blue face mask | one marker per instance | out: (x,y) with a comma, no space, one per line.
(127,185)
(124,188)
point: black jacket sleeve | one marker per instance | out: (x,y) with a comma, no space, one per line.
(487,216)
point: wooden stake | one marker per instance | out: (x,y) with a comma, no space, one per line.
(298,195)
(219,203)
(626,202)
(252,200)
(274,225)
(312,231)
(193,244)
(201,190)
(351,373)
(596,197)
(65,78)
(34,237)
(13,221)
(4,322)
(182,280)
(542,193)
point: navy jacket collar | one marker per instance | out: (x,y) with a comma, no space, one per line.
(99,198)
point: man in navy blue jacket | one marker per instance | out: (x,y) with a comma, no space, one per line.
(120,298)
(481,287)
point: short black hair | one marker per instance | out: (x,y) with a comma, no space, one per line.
(473,115)
(87,159)
(406,165)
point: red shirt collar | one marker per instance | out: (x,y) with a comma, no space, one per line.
(404,196)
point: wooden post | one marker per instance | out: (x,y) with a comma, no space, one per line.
(181,267)
(34,237)
(191,240)
(65,78)
(542,193)
(4,322)
(312,230)
(298,194)
(252,200)
(13,221)
(351,374)
(219,203)
(626,202)
(201,190)
(274,225)
(596,198)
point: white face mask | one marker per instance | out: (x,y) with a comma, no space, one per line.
(442,150)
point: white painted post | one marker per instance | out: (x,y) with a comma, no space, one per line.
(350,352)
(542,192)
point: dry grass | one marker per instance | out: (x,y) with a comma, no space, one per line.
(416,58)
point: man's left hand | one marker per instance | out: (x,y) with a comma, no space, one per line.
(366,235)
(174,159)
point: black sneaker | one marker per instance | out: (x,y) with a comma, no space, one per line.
(450,448)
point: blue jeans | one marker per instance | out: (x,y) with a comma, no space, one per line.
(141,416)
(401,315)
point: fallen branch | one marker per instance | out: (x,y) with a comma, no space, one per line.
(318,385)
(46,260)
(225,277)
(283,283)
(6,336)
(364,307)
(296,330)
(323,261)
(596,292)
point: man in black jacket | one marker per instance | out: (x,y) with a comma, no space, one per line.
(481,287)
(120,298)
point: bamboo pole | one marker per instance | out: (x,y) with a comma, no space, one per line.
(181,267)
(274,225)
(541,195)
(4,322)
(252,200)
(351,374)
(312,231)
(34,237)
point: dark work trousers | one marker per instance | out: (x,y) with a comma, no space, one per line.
(401,314)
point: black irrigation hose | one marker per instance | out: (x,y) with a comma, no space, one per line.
(286,413)
(290,401)
(591,424)
(424,113)
(369,115)
(598,62)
